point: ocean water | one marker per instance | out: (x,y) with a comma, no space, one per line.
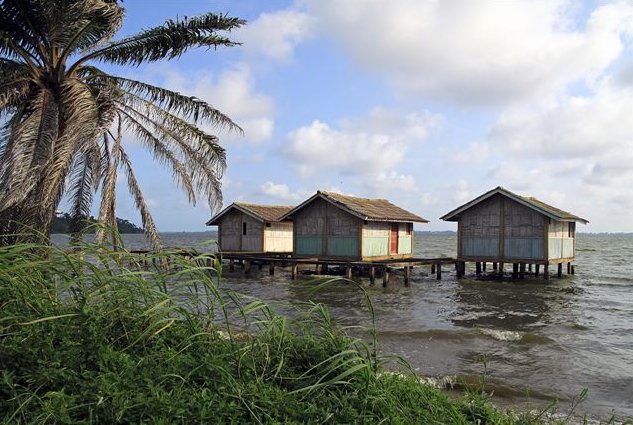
(534,340)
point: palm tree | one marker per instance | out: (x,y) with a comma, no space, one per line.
(62,118)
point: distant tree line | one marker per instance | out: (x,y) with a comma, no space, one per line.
(62,223)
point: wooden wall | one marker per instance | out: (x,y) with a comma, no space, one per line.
(230,231)
(376,239)
(342,233)
(278,237)
(561,240)
(309,225)
(500,228)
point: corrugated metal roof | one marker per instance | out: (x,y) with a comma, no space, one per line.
(265,213)
(364,208)
(531,202)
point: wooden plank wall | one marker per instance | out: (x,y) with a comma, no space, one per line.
(278,237)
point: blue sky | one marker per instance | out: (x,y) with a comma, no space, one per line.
(425,103)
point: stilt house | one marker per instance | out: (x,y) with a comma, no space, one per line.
(253,228)
(500,226)
(331,225)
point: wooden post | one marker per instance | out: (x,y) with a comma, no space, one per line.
(348,271)
(568,267)
(271,268)
(407,274)
(483,266)
(560,270)
(530,267)
(317,269)
(501,269)
(433,268)
(546,272)
(295,269)
(231,265)
(460,267)
(247,266)
(573,269)
(372,275)
(494,267)
(477,268)
(385,277)
(439,271)
(515,270)
(522,271)
(537,269)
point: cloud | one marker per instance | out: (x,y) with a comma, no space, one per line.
(479,51)
(573,127)
(233,93)
(276,34)
(474,152)
(279,191)
(365,147)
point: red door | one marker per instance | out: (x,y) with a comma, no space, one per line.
(393,249)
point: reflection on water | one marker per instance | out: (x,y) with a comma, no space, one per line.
(551,337)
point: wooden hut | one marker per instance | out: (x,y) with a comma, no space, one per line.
(334,226)
(253,228)
(503,227)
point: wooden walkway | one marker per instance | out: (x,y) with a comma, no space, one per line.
(321,266)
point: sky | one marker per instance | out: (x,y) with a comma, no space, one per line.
(426,103)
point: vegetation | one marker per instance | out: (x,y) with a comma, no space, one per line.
(91,336)
(63,224)
(62,118)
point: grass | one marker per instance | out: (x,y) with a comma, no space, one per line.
(94,336)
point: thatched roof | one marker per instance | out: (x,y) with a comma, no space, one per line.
(265,213)
(364,208)
(530,202)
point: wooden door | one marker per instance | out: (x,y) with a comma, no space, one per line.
(393,248)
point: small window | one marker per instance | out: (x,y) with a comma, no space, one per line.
(571,229)
(243,228)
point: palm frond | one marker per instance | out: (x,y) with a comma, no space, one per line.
(107,215)
(81,188)
(167,41)
(135,190)
(189,107)
(163,154)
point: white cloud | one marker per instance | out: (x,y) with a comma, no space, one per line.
(477,51)
(364,147)
(276,34)
(387,182)
(279,191)
(474,152)
(573,127)
(233,93)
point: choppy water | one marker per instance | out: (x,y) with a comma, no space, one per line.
(542,338)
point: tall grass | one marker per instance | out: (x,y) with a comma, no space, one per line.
(100,336)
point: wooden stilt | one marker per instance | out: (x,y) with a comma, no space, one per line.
(317,269)
(501,269)
(247,266)
(271,268)
(372,275)
(439,271)
(477,268)
(560,270)
(494,266)
(483,266)
(546,272)
(385,277)
(537,269)
(530,268)
(515,270)
(348,271)
(407,274)
(573,269)
(295,269)
(231,265)
(568,267)
(433,268)
(522,271)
